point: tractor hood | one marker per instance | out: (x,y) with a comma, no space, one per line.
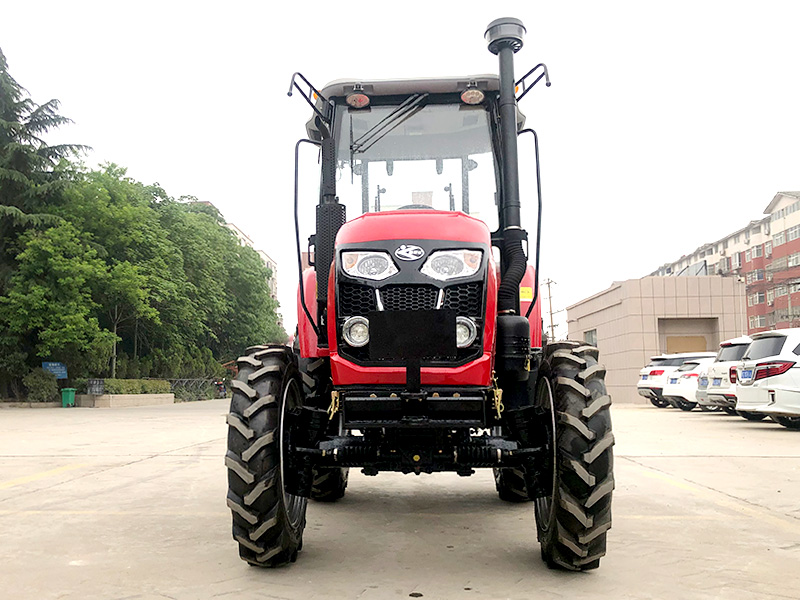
(414,225)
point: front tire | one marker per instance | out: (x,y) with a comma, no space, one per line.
(268,523)
(573,520)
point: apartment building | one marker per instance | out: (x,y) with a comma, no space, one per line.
(745,282)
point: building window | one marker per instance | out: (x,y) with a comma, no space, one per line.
(736,260)
(725,245)
(780,290)
(794,260)
(770,296)
(768,248)
(736,239)
(757,298)
(747,256)
(794,287)
(757,251)
(590,337)
(778,239)
(756,229)
(758,321)
(793,233)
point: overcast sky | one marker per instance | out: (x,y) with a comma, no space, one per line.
(668,124)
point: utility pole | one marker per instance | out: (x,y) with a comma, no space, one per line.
(548,283)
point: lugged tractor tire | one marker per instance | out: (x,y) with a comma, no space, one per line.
(572,522)
(267,523)
(329,484)
(510,484)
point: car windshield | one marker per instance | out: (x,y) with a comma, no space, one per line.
(764,347)
(728,353)
(416,153)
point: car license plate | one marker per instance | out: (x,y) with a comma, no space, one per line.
(717,381)
(674,380)
(747,373)
(703,382)
(644,377)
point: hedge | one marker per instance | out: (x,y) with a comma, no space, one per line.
(129,386)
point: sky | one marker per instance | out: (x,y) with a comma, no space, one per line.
(668,124)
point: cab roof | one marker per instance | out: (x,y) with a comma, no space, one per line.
(430,85)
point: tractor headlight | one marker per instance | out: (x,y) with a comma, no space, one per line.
(466,332)
(451,264)
(355,331)
(369,265)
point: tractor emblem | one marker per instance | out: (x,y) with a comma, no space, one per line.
(409,252)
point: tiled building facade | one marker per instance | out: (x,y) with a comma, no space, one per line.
(765,255)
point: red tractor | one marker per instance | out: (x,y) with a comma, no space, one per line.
(419,345)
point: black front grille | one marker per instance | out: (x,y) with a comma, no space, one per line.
(466,299)
(409,297)
(355,300)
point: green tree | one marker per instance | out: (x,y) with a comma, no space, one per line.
(49,309)
(32,173)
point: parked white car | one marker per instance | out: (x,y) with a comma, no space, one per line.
(721,389)
(653,377)
(768,378)
(681,387)
(701,395)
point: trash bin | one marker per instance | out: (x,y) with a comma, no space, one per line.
(68,397)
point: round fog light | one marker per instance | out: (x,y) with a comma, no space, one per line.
(356,331)
(466,332)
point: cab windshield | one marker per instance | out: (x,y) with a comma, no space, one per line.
(416,153)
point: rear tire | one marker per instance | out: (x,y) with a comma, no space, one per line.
(659,402)
(572,522)
(329,484)
(751,416)
(708,407)
(729,410)
(686,405)
(789,422)
(510,485)
(267,522)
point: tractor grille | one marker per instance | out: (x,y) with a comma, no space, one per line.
(409,297)
(359,300)
(355,300)
(466,299)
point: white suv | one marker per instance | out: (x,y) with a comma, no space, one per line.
(681,387)
(721,375)
(653,377)
(769,377)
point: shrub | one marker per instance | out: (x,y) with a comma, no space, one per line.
(42,385)
(137,386)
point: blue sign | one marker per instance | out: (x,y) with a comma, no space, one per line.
(56,368)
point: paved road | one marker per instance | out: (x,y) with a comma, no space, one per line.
(130,503)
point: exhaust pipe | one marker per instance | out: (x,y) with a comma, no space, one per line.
(504,37)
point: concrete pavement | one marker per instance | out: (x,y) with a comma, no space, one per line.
(130,503)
